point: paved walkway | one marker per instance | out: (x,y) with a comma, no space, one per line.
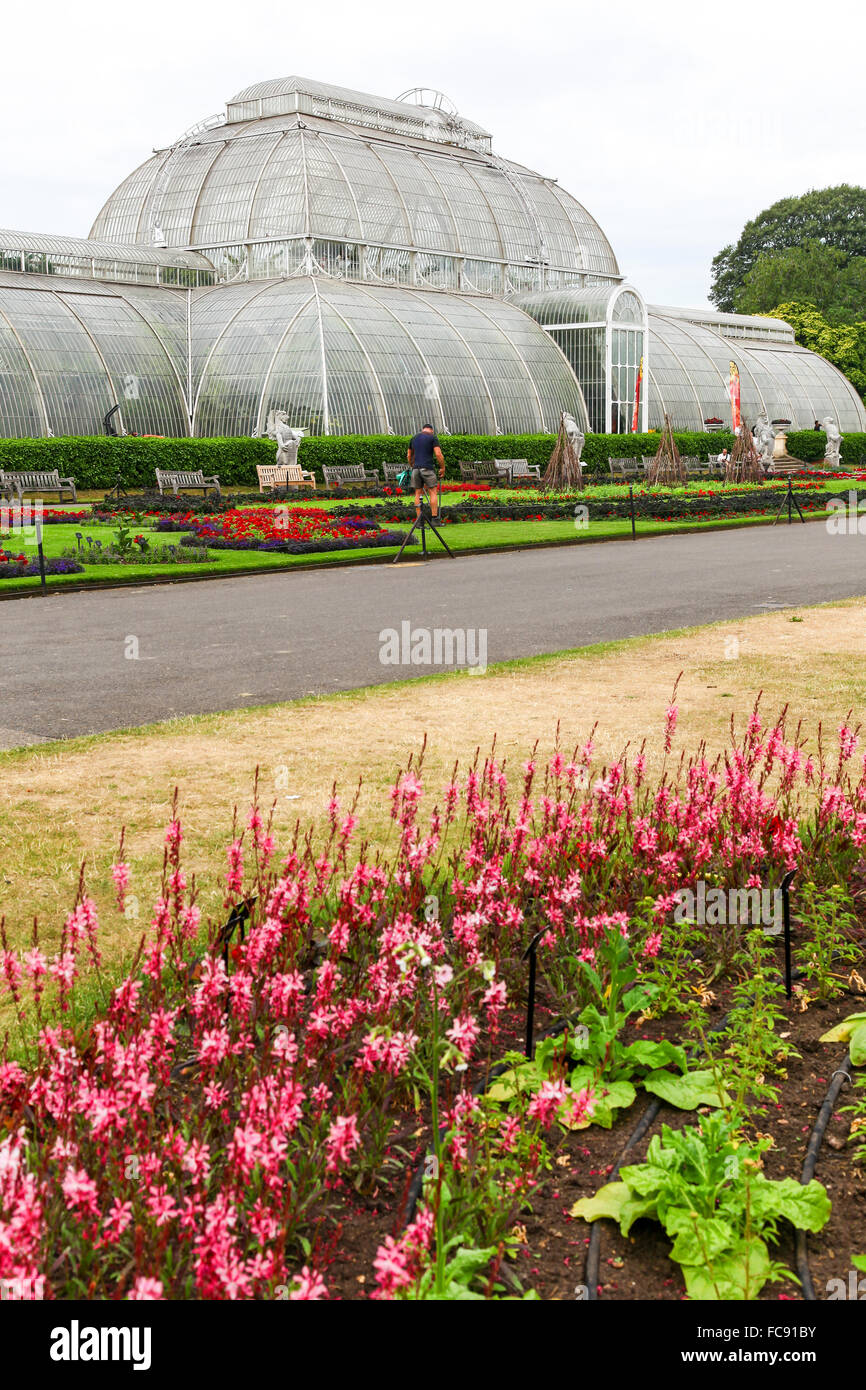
(69,667)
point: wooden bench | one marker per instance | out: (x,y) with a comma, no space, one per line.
(623,468)
(392,471)
(695,467)
(479,471)
(192,481)
(517,468)
(271,475)
(19,483)
(349,473)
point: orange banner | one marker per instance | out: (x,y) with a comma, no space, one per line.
(637,386)
(734,390)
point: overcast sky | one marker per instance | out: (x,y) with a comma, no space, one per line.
(672,122)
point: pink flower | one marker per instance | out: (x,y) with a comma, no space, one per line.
(343,1139)
(235,875)
(463,1033)
(120,874)
(80,1191)
(146,1289)
(652,944)
(308,1285)
(546,1103)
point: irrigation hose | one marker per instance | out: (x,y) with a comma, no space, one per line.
(593,1254)
(840,1076)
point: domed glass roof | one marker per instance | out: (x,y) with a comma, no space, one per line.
(303,160)
(361,359)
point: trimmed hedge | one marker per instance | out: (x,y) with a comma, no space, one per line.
(94,462)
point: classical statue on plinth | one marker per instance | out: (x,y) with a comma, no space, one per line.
(575,436)
(833,447)
(764,437)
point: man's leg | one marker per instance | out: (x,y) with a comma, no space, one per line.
(434,501)
(418,492)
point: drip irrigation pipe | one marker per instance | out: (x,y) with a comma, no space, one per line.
(840,1076)
(593,1254)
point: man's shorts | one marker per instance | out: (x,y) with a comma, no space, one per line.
(425,477)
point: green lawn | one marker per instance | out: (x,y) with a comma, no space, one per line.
(460,536)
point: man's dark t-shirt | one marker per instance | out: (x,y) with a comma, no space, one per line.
(422,447)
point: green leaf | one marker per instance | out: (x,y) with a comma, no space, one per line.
(646,1178)
(857,1047)
(512,1083)
(655,1054)
(698,1238)
(843,1031)
(686,1092)
(634,1210)
(806,1207)
(467,1263)
(725,1278)
(859,1262)
(618,1095)
(608,1201)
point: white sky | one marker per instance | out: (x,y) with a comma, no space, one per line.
(672,122)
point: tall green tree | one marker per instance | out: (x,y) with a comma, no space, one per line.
(833,217)
(842,344)
(808,274)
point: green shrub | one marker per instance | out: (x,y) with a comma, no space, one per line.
(95,462)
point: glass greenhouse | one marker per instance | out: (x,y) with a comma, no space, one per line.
(364,264)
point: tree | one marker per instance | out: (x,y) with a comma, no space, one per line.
(808,274)
(842,344)
(834,217)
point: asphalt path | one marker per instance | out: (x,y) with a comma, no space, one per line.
(88,662)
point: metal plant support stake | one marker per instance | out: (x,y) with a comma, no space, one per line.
(529,954)
(41,555)
(631,506)
(786,911)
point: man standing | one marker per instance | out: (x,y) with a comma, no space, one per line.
(422,452)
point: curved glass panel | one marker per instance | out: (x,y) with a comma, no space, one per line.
(689,369)
(347,358)
(67,356)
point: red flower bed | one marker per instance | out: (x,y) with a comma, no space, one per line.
(278,524)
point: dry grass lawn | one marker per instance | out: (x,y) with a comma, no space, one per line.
(64,802)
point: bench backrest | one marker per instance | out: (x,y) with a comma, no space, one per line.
(347,473)
(187,479)
(393,470)
(519,467)
(47,480)
(271,472)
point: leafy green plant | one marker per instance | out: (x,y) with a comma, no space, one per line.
(827,918)
(705,1186)
(461,1271)
(606,1064)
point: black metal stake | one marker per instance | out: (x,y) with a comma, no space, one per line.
(631,505)
(530,1002)
(786,910)
(41,555)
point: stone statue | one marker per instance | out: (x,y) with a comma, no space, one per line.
(764,437)
(574,434)
(288,440)
(833,448)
